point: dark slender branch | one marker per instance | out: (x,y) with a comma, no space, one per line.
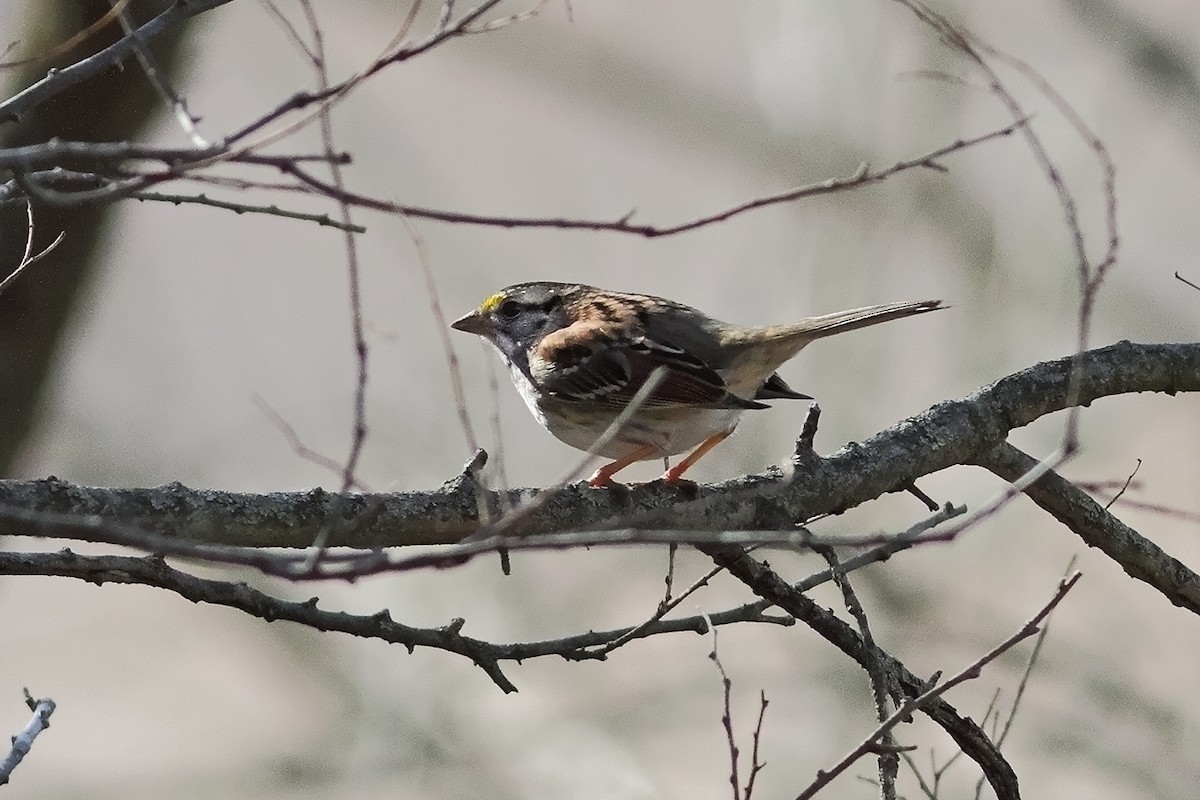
(771,588)
(49,54)
(34,161)
(154,571)
(105,155)
(935,690)
(1138,556)
(247,208)
(887,757)
(735,784)
(158,79)
(1022,685)
(756,766)
(59,80)
(443,33)
(863,176)
(356,564)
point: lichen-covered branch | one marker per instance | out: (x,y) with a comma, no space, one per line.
(950,433)
(1138,556)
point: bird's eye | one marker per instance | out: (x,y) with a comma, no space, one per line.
(509,309)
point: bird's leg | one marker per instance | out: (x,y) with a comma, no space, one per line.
(674,473)
(603,476)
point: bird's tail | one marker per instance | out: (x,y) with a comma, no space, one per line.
(842,321)
(761,351)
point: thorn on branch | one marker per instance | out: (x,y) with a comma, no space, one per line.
(470,472)
(491,666)
(1179,277)
(808,432)
(911,488)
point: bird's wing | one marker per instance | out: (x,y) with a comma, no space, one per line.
(589,367)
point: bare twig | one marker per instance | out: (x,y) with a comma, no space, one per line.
(176,103)
(663,609)
(1141,558)
(871,742)
(1128,481)
(1090,274)
(246,208)
(881,689)
(61,79)
(756,766)
(29,258)
(727,719)
(23,741)
(298,446)
(153,571)
(1023,683)
(861,177)
(50,53)
(1159,508)
(768,585)
(443,328)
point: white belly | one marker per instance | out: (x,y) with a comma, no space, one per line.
(667,430)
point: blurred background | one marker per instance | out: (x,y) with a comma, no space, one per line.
(179,317)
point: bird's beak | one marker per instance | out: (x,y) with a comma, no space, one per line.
(472,323)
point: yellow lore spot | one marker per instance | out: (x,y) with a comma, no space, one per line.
(487,305)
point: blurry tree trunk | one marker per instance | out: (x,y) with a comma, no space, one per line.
(113,106)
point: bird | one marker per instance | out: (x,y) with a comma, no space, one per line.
(579,355)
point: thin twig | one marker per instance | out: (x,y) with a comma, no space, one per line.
(1090,275)
(1023,683)
(756,766)
(881,690)
(175,102)
(1128,481)
(443,327)
(727,718)
(871,742)
(59,80)
(246,208)
(23,741)
(50,53)
(861,177)
(298,446)
(28,259)
(663,609)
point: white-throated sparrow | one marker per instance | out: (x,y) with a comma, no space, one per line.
(579,354)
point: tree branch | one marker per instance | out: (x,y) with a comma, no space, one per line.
(970,738)
(154,571)
(23,741)
(58,80)
(949,433)
(1138,556)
